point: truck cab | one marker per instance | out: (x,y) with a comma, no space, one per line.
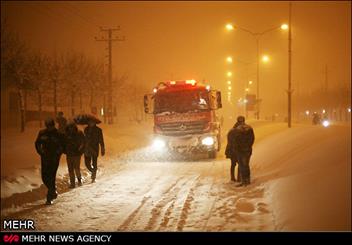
(185,119)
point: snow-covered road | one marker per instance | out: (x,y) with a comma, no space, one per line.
(301,181)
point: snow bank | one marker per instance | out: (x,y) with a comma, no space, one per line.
(308,179)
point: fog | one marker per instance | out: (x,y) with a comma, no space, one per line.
(188,40)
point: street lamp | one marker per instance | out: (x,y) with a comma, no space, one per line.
(257,36)
(284,27)
(229,27)
(265,58)
(229,59)
(229,74)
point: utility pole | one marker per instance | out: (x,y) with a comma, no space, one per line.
(289,90)
(109,40)
(258,60)
(326,85)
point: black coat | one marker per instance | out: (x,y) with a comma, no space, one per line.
(243,139)
(62,122)
(93,138)
(229,151)
(75,143)
(50,143)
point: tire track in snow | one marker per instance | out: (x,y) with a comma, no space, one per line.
(171,213)
(138,215)
(156,210)
(185,210)
(187,205)
(131,217)
(213,203)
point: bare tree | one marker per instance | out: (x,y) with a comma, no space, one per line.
(38,75)
(14,57)
(55,70)
(94,79)
(73,76)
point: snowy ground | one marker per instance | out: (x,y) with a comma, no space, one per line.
(301,181)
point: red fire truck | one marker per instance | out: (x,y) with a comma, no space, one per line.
(184,117)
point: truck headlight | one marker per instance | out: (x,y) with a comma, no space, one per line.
(208,141)
(158,144)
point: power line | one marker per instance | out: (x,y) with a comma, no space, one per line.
(76,14)
(65,16)
(91,19)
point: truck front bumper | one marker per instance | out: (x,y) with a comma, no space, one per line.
(188,143)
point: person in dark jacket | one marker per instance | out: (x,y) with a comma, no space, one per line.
(50,145)
(243,139)
(61,121)
(230,153)
(93,138)
(74,150)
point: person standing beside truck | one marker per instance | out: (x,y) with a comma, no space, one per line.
(230,153)
(243,139)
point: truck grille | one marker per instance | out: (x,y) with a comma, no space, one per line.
(184,128)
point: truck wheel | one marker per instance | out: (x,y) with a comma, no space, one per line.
(212,154)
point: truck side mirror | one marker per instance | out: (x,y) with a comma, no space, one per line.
(215,99)
(148,103)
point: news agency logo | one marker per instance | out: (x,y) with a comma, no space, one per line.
(11,238)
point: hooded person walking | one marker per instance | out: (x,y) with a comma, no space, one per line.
(93,139)
(74,150)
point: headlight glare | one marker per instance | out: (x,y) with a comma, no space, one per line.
(208,141)
(158,144)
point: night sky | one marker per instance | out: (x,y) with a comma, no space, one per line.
(184,40)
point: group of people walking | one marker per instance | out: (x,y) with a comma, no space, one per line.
(67,139)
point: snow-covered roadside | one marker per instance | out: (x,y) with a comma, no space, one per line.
(307,179)
(20,165)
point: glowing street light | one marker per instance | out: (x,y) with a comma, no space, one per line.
(257,36)
(229,59)
(229,74)
(250,82)
(229,88)
(284,27)
(349,109)
(307,112)
(265,58)
(229,82)
(229,27)
(247,89)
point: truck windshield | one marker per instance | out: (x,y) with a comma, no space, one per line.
(181,101)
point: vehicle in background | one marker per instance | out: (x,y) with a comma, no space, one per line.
(185,119)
